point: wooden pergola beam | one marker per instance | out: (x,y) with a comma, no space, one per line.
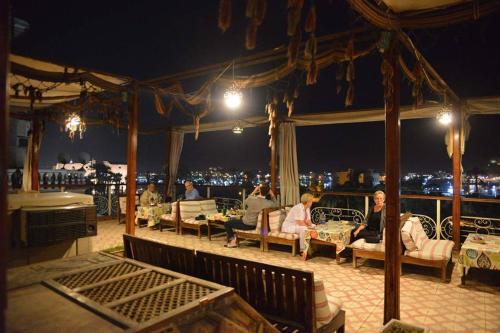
(4,129)
(132,162)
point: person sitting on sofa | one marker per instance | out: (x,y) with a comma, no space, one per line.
(191,193)
(150,196)
(373,226)
(261,197)
(298,219)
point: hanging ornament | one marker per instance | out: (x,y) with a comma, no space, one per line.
(74,124)
(224,15)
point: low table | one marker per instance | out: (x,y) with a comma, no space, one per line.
(485,255)
(332,233)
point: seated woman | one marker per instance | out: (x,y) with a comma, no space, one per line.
(261,197)
(372,227)
(298,219)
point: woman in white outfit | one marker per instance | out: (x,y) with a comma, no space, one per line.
(298,219)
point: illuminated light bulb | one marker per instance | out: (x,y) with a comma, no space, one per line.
(233,97)
(445,116)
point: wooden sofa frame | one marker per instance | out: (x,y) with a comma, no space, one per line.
(294,243)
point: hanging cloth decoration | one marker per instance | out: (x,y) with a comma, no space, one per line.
(255,11)
(272,113)
(349,77)
(311,47)
(339,76)
(160,107)
(224,15)
(293,29)
(418,97)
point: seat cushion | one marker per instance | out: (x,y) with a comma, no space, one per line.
(208,207)
(253,231)
(195,222)
(363,245)
(285,235)
(276,218)
(166,217)
(433,249)
(325,309)
(189,209)
(417,233)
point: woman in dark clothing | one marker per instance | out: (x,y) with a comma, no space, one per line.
(372,227)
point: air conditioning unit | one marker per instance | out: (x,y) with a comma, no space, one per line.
(44,225)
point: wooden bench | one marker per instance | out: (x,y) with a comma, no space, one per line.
(284,296)
(171,221)
(175,258)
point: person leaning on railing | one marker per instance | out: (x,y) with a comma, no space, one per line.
(261,197)
(298,219)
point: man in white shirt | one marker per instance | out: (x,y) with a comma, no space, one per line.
(298,219)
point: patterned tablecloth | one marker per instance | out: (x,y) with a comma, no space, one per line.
(152,213)
(480,255)
(335,232)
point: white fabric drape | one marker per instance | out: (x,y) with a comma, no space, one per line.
(288,167)
(177,140)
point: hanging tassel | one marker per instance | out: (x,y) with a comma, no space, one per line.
(417,94)
(251,35)
(293,48)
(196,127)
(349,97)
(311,20)
(294,11)
(349,52)
(312,73)
(311,47)
(339,76)
(290,106)
(160,108)
(224,15)
(260,11)
(350,72)
(251,8)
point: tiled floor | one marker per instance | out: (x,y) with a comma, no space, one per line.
(425,301)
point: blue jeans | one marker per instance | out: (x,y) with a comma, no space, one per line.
(236,224)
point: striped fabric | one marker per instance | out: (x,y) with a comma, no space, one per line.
(190,209)
(406,236)
(208,207)
(363,245)
(276,218)
(417,233)
(285,235)
(433,249)
(325,310)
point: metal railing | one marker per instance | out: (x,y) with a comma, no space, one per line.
(319,214)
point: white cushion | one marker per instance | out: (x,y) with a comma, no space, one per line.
(253,231)
(417,233)
(285,235)
(363,245)
(189,209)
(276,218)
(208,207)
(433,249)
(193,221)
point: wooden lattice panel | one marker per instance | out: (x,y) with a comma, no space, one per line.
(116,290)
(155,304)
(96,275)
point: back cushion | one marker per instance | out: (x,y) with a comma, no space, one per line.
(189,209)
(208,207)
(173,214)
(276,218)
(406,236)
(123,204)
(417,233)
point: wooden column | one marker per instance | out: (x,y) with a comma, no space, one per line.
(274,151)
(36,132)
(4,128)
(132,162)
(392,263)
(456,132)
(168,148)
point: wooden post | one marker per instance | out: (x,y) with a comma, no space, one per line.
(392,263)
(36,131)
(4,128)
(456,132)
(274,135)
(132,162)
(168,148)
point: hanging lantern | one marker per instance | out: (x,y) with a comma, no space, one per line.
(237,129)
(445,116)
(74,124)
(233,97)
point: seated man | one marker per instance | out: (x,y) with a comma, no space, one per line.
(191,193)
(150,196)
(255,202)
(298,219)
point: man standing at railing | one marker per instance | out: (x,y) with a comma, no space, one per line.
(191,193)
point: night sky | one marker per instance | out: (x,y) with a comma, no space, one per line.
(153,38)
